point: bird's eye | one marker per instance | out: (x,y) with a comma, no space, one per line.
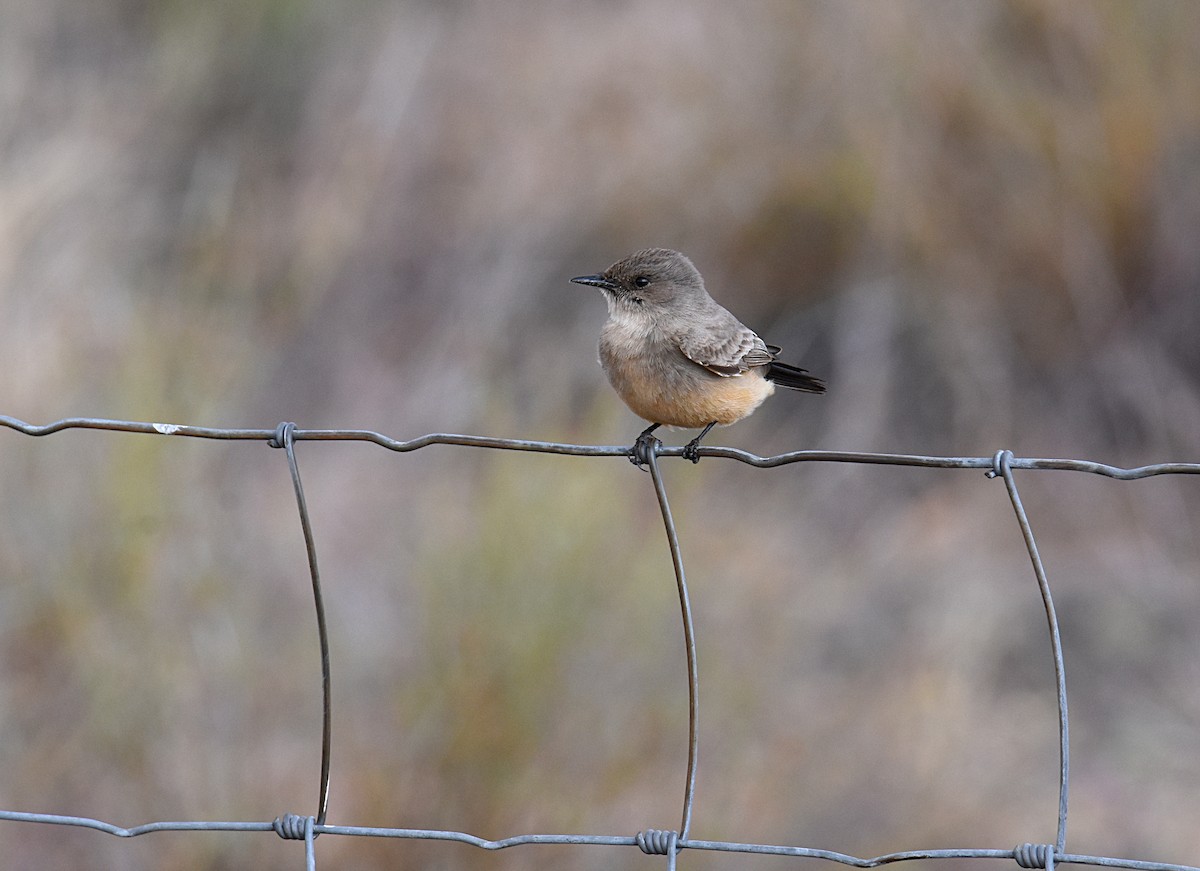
(641,281)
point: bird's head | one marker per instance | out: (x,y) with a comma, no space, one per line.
(647,280)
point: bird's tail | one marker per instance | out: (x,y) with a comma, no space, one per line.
(793,378)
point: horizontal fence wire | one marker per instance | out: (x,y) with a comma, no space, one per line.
(645,453)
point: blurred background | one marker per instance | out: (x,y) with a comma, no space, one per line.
(978,221)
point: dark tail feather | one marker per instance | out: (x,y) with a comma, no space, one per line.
(794,378)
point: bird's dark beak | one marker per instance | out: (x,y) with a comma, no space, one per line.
(595,281)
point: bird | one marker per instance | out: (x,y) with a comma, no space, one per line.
(676,356)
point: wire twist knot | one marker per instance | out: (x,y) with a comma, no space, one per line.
(1035,856)
(658,842)
(1000,462)
(644,450)
(292,827)
(279,439)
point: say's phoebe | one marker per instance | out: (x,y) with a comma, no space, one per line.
(675,356)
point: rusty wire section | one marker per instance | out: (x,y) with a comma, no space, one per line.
(645,453)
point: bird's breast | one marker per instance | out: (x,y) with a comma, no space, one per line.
(660,384)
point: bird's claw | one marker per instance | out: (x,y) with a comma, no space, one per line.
(691,451)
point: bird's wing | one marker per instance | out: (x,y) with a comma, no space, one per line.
(727,349)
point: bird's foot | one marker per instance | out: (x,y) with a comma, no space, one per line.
(691,451)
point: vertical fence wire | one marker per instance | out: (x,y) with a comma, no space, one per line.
(1003,468)
(689,637)
(285,437)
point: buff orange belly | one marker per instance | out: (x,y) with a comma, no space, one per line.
(691,398)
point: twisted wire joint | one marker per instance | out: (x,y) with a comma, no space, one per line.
(279,439)
(292,827)
(1035,856)
(658,842)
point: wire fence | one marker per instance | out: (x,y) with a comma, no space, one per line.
(645,453)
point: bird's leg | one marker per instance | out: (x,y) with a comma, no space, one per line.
(642,445)
(690,449)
